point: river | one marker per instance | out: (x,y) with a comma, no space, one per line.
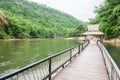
(114,51)
(19,53)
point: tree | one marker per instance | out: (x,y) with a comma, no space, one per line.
(3,21)
(108,17)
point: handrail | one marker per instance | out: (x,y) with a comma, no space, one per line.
(112,68)
(45,69)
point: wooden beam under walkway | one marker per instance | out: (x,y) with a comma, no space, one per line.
(89,65)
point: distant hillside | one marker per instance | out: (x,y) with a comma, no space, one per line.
(32,20)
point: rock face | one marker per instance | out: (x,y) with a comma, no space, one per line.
(112,41)
(76,38)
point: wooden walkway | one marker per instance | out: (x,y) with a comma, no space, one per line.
(89,65)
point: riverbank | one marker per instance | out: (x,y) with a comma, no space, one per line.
(104,40)
(112,41)
(115,42)
(70,38)
(75,38)
(21,39)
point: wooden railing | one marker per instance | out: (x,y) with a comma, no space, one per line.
(45,69)
(112,68)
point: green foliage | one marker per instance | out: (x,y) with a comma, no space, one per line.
(3,35)
(108,16)
(32,20)
(78,31)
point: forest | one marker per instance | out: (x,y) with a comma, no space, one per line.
(25,19)
(108,17)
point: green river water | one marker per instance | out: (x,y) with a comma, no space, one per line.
(114,52)
(19,53)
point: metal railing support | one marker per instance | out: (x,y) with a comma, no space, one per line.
(79,49)
(70,55)
(82,47)
(50,61)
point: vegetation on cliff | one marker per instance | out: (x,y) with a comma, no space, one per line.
(32,20)
(108,16)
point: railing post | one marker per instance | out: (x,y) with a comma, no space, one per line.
(70,55)
(82,46)
(79,49)
(50,62)
(112,71)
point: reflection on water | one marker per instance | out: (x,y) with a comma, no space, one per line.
(16,54)
(114,52)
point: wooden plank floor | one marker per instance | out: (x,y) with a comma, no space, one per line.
(89,65)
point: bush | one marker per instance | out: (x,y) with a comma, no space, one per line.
(3,35)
